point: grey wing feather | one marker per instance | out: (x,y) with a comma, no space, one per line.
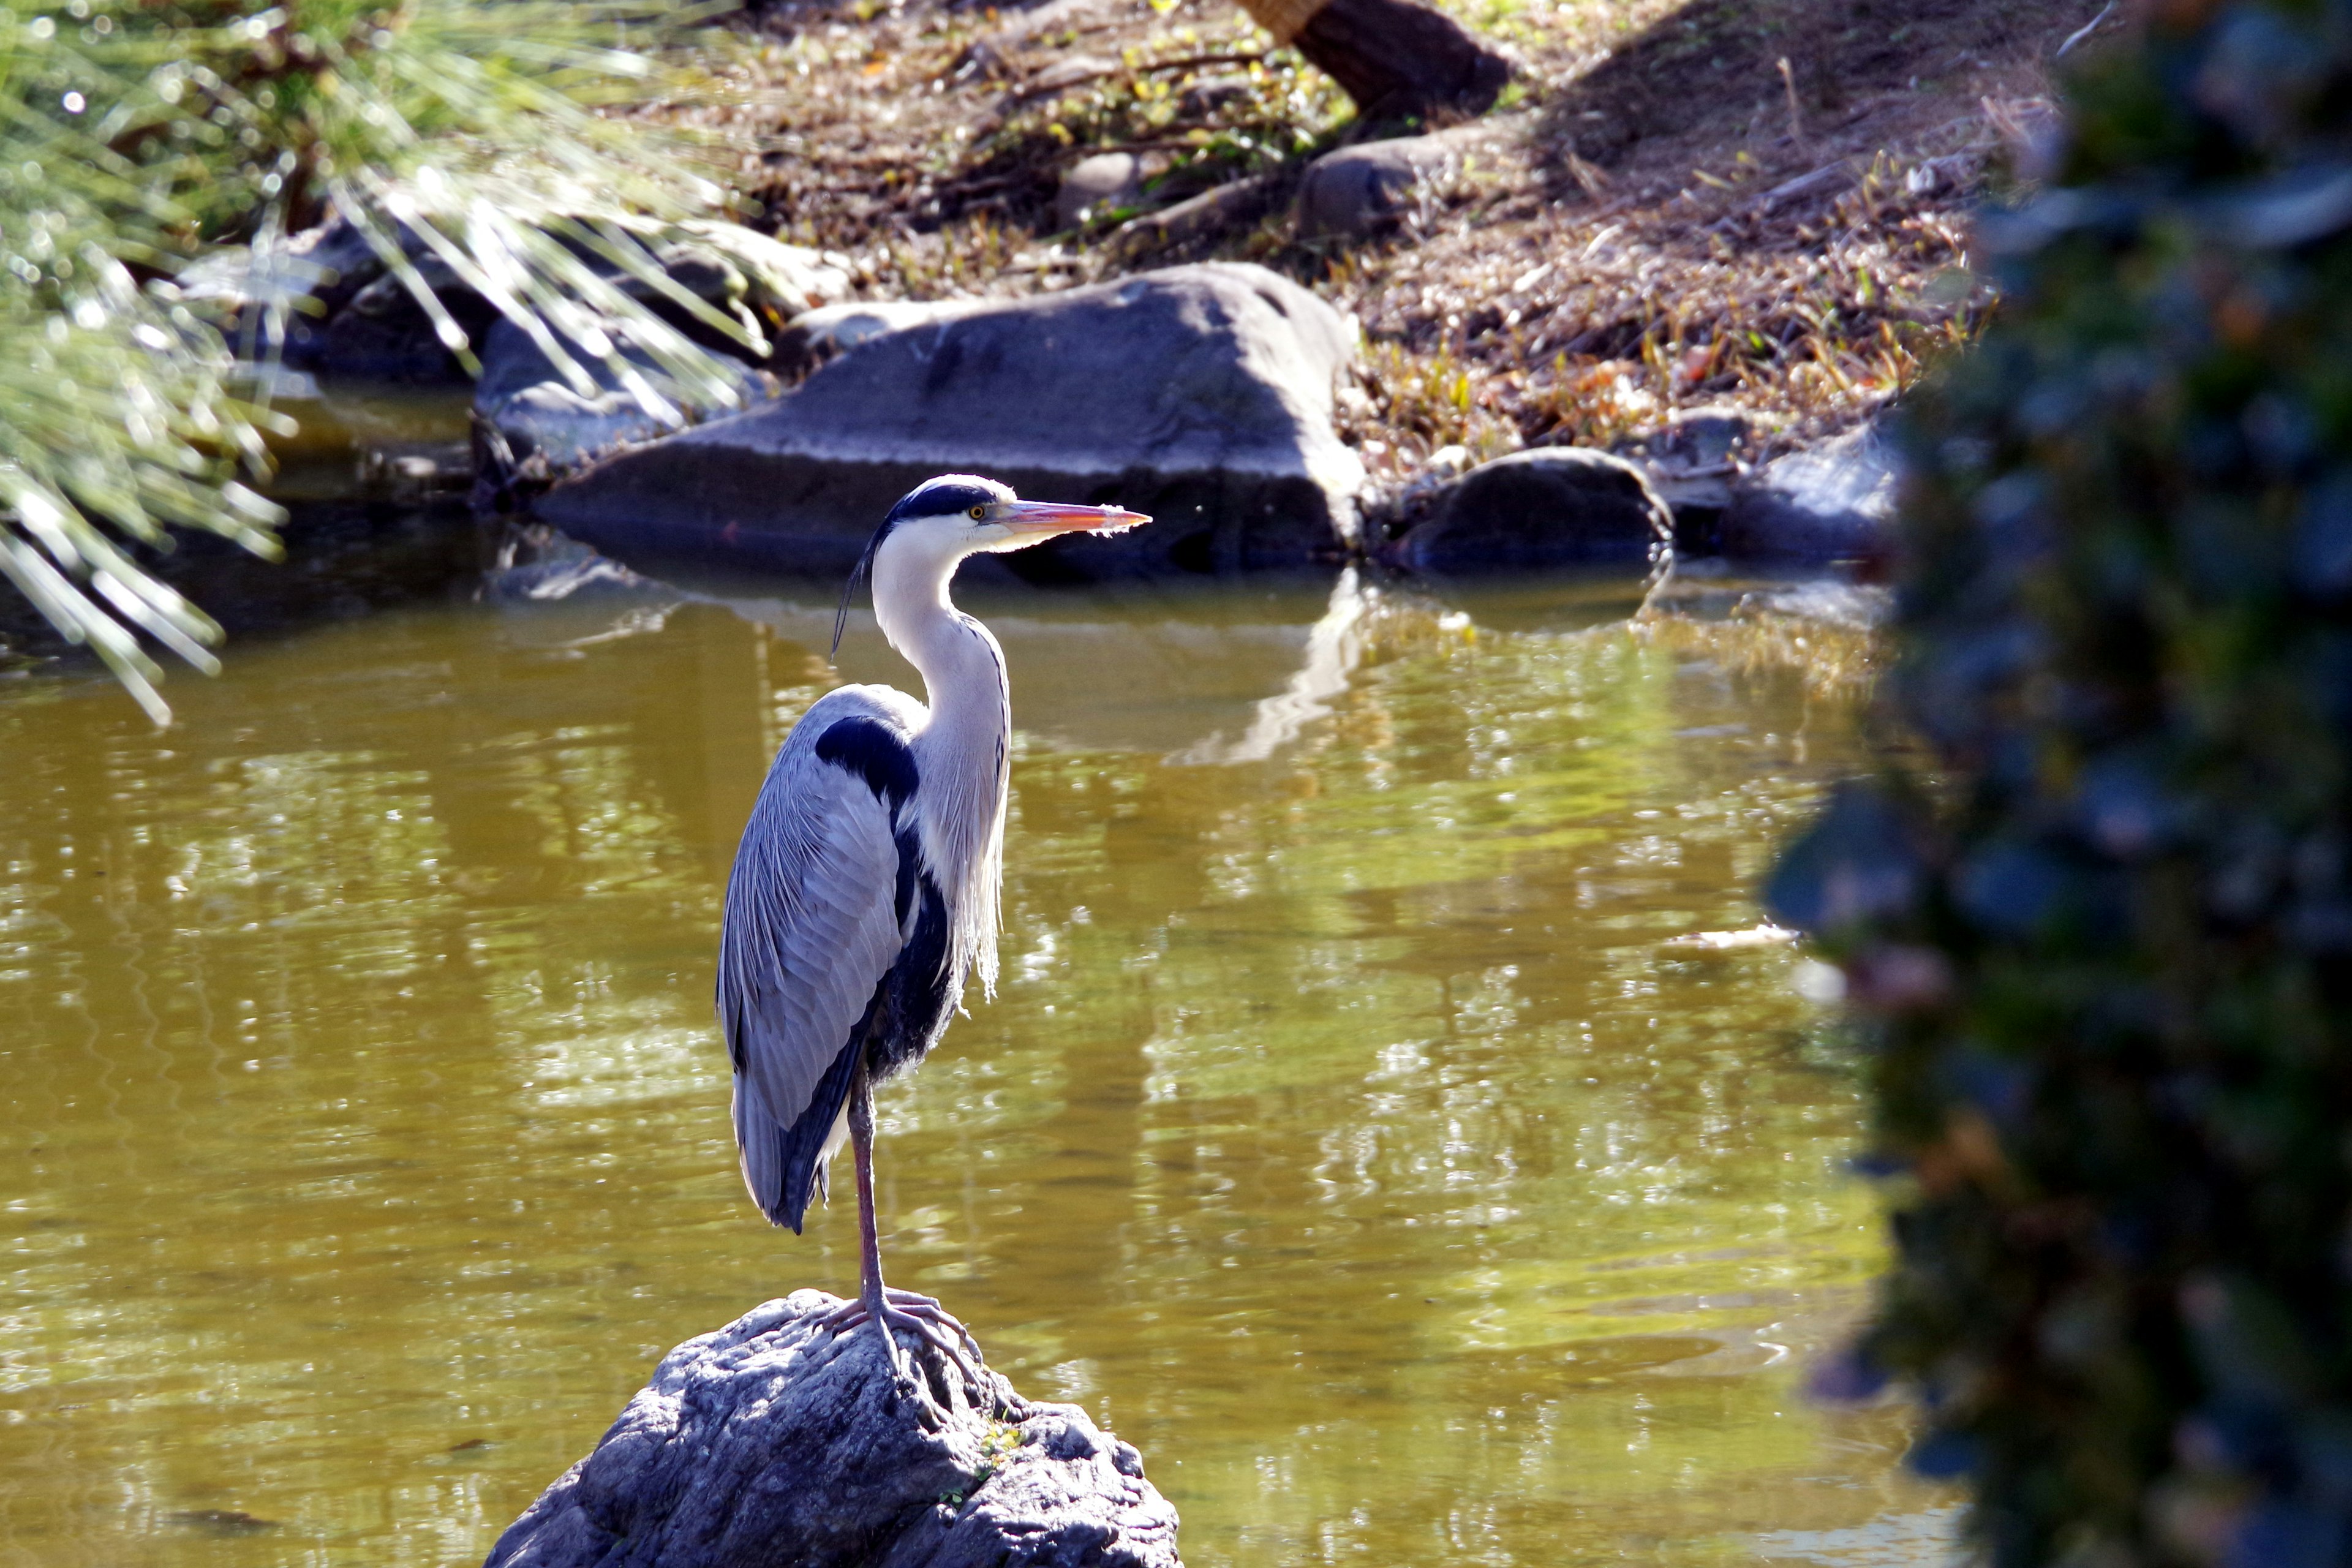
(810,931)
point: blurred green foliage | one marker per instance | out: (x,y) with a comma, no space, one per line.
(2105,954)
(137,139)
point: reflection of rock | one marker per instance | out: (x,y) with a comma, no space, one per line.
(1334,648)
(1551,506)
(1360,190)
(1200,395)
(400,444)
(768,1442)
(1151,667)
(1832,503)
(540,566)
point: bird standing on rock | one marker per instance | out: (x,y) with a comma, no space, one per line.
(864,891)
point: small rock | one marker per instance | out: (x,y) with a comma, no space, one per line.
(1701,441)
(1551,506)
(1200,395)
(1448,460)
(531,426)
(1693,464)
(333,260)
(1097,184)
(1362,190)
(760,280)
(1835,502)
(771,1441)
(381,333)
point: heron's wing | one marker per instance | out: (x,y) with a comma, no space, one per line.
(811,929)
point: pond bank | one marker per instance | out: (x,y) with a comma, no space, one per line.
(1759,207)
(1686,218)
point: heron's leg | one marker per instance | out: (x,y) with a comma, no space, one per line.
(870,1296)
(920,1316)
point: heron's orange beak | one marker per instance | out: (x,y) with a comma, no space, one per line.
(1042,517)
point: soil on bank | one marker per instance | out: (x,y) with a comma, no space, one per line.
(1678,203)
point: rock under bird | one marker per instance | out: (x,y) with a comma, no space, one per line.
(864,894)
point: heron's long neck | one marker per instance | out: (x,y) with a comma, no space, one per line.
(960,754)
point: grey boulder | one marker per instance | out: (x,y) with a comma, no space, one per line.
(1200,395)
(1833,503)
(772,1442)
(1551,506)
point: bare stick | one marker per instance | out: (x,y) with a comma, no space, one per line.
(2085,30)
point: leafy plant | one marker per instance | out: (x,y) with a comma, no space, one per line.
(137,139)
(2105,962)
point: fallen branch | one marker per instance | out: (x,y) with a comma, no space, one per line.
(2085,30)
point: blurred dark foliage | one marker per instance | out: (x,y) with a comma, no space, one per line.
(2104,957)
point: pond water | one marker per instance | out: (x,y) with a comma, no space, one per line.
(1349,1131)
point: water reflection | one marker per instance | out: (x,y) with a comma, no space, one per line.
(1345,1133)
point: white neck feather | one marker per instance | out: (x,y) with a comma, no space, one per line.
(960,751)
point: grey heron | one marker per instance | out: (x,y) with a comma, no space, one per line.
(864,893)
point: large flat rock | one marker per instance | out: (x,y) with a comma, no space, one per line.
(773,1443)
(1200,395)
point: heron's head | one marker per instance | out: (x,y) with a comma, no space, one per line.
(942,521)
(957,515)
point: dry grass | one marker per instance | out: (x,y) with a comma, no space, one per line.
(1634,233)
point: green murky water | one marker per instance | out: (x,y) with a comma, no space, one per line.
(1345,1133)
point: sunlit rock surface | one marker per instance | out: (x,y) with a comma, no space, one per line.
(772,1442)
(1200,395)
(1833,503)
(533,423)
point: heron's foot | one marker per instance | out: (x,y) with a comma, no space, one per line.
(929,1310)
(838,1320)
(931,1326)
(835,1327)
(941,1335)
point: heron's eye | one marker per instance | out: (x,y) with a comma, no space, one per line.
(979,513)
